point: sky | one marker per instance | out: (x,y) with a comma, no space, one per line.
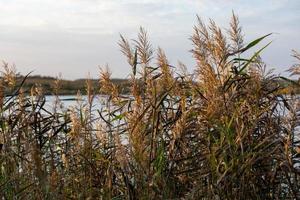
(76,37)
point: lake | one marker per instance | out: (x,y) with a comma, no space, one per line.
(67,101)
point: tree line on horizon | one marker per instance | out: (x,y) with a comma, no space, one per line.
(66,87)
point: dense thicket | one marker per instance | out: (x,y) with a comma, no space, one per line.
(226,131)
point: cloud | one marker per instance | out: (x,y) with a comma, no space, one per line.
(82,34)
(91,14)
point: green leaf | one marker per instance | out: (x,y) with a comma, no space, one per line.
(255,42)
(240,59)
(252,58)
(134,62)
(118,117)
(289,80)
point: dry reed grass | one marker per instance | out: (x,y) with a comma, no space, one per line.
(225,133)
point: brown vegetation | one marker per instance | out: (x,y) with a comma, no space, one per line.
(225,132)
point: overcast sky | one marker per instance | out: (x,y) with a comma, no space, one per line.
(75,37)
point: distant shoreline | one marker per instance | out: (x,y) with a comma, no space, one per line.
(49,85)
(65,87)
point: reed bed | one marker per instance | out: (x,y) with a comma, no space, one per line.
(226,131)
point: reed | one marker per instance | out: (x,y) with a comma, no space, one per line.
(226,131)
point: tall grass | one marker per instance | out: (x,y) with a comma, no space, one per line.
(224,132)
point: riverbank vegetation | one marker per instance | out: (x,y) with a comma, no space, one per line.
(227,131)
(67,87)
